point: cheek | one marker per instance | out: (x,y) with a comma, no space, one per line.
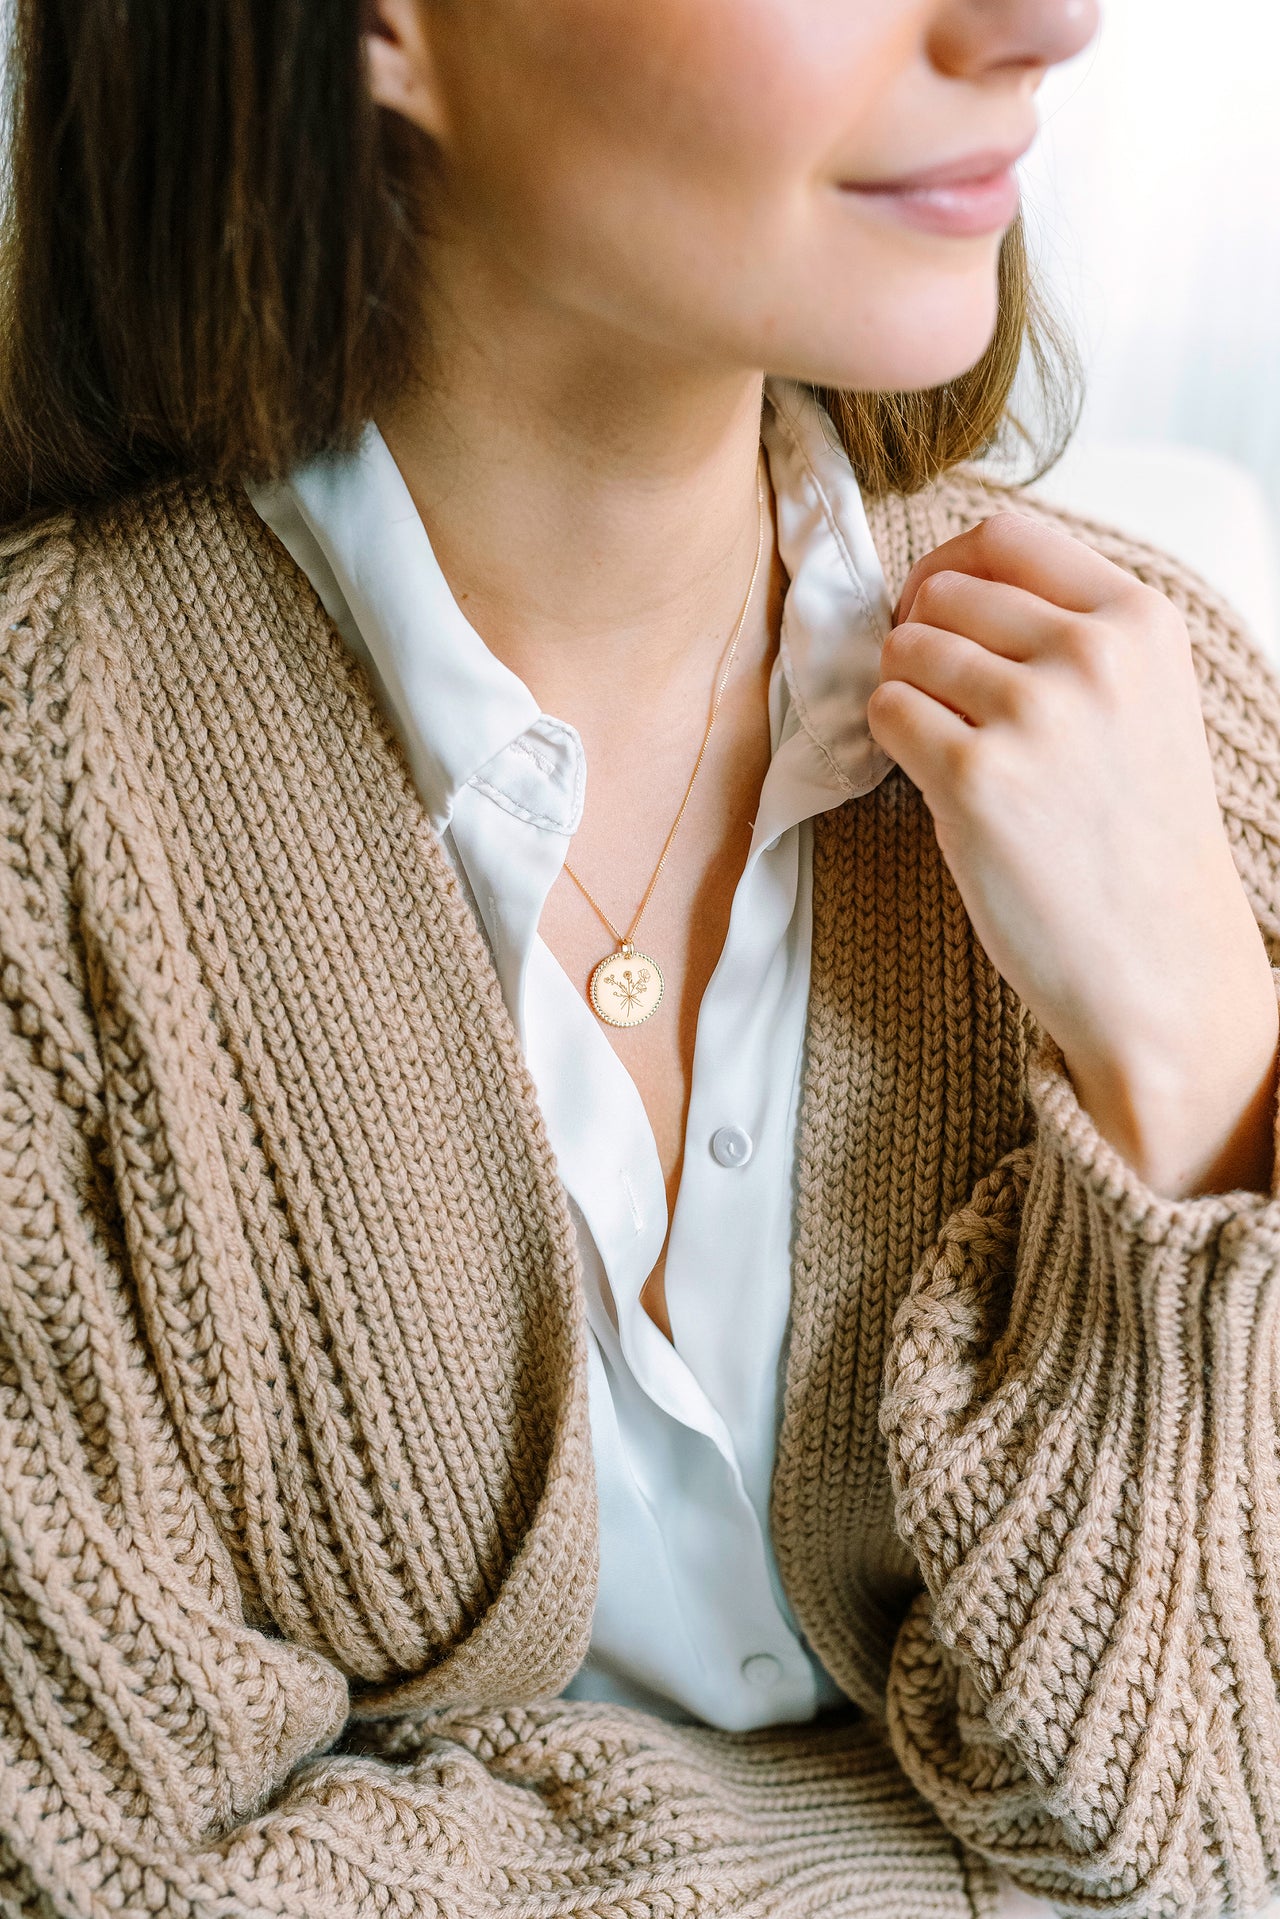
(582,113)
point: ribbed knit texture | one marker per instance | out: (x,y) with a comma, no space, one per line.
(297,1519)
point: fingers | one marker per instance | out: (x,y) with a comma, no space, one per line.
(1008,620)
(962,673)
(1027,553)
(925,737)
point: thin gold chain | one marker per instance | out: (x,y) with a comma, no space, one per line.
(624,939)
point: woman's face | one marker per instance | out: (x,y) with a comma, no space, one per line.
(679,173)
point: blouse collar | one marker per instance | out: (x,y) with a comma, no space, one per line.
(350,523)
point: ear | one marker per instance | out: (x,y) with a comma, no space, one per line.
(402,73)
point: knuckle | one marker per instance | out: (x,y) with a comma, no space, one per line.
(1131,598)
(965,769)
(884,709)
(1090,646)
(1007,531)
(897,646)
(1160,616)
(1023,698)
(1137,592)
(933,591)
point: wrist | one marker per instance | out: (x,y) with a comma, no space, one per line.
(1198,1120)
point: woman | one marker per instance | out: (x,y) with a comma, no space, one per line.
(732,1371)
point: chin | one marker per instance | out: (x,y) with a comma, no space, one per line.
(887,373)
(925,328)
(905,359)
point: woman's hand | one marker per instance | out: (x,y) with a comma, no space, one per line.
(1045,703)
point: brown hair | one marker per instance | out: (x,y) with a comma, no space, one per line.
(213,242)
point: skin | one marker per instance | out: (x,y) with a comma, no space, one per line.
(637,213)
(1045,702)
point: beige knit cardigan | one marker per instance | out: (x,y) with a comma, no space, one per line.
(297,1518)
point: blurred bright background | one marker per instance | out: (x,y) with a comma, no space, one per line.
(1152,200)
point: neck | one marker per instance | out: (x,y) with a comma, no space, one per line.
(594,515)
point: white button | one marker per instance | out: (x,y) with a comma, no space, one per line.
(761,1670)
(731,1146)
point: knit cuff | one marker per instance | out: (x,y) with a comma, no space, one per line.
(1064,1126)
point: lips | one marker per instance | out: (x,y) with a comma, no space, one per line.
(962,208)
(983,165)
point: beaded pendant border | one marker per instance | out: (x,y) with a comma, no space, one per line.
(625,988)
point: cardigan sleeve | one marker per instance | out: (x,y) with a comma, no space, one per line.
(164,1749)
(160,1754)
(1082,1412)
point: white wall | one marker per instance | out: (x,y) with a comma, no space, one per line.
(1152,199)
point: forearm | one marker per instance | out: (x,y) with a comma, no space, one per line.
(1201,1118)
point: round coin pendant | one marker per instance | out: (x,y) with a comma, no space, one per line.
(625,988)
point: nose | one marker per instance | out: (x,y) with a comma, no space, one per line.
(980,35)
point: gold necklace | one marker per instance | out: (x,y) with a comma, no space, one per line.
(625,987)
